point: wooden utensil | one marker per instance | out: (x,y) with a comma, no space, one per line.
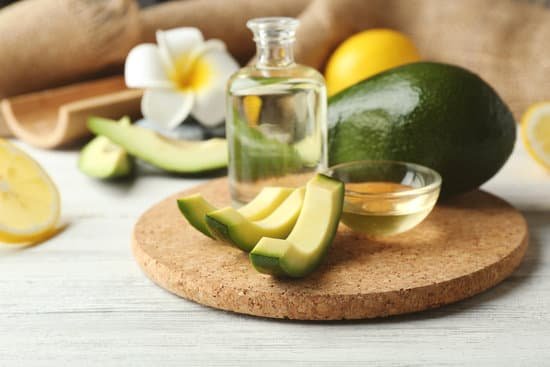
(465,246)
(56,117)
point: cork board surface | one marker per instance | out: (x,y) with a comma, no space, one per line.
(466,245)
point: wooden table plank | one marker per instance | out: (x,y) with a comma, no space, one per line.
(81,299)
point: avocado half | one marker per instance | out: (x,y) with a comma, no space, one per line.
(438,115)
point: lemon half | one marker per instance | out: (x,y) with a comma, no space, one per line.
(535,132)
(29,200)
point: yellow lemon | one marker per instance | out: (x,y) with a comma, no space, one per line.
(535,132)
(29,201)
(365,54)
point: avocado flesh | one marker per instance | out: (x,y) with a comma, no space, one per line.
(194,207)
(230,226)
(103,159)
(265,202)
(437,115)
(303,250)
(177,156)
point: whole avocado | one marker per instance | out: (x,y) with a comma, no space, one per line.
(438,115)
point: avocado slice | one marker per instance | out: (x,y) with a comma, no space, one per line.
(103,159)
(305,247)
(194,207)
(177,156)
(232,227)
(265,202)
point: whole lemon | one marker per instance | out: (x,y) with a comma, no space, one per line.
(365,54)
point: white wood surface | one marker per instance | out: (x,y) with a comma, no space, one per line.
(79,299)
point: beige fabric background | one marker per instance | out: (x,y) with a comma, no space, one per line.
(506,42)
(47,43)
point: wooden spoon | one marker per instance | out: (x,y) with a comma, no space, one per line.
(56,117)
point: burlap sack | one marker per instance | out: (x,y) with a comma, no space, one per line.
(47,43)
(51,42)
(506,42)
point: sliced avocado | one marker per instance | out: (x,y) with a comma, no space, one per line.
(305,247)
(231,226)
(194,208)
(265,202)
(103,159)
(178,156)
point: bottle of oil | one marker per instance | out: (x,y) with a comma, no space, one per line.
(276,115)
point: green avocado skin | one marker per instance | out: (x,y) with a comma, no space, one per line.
(438,115)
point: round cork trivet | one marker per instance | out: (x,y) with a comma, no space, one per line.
(465,246)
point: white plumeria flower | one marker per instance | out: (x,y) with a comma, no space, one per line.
(181,74)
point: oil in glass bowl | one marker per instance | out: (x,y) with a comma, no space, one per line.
(384,198)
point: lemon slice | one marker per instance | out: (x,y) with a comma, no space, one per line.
(29,201)
(535,132)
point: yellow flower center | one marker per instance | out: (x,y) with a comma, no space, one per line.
(191,73)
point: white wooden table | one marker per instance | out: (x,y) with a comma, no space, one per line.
(79,299)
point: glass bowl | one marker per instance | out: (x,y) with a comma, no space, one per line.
(384,198)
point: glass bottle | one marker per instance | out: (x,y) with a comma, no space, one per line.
(276,115)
